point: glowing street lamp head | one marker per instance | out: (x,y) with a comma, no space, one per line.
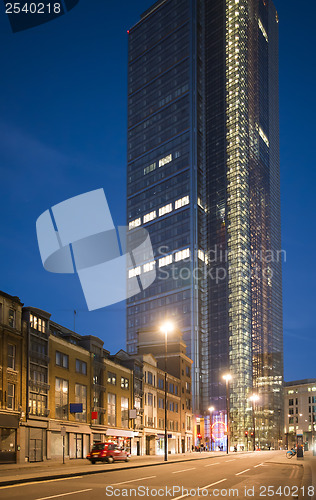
(167,327)
(227,377)
(254,398)
(211,409)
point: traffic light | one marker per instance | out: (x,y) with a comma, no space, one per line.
(246,434)
(251,434)
(199,436)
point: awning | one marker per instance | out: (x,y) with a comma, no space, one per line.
(120,433)
(9,421)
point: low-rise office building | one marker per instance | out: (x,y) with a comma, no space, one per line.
(300,411)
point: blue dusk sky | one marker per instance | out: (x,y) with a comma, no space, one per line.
(63,132)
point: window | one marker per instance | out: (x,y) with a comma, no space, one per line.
(171,406)
(124,412)
(188,387)
(291,411)
(12,318)
(149,399)
(37,323)
(188,371)
(291,402)
(81,367)
(111,378)
(62,359)
(124,383)
(61,399)
(171,388)
(11,356)
(176,408)
(150,378)
(81,398)
(161,423)
(11,397)
(176,390)
(161,403)
(38,404)
(182,202)
(111,409)
(160,383)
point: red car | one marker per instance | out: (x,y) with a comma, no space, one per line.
(107,452)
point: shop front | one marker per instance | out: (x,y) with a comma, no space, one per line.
(120,437)
(8,438)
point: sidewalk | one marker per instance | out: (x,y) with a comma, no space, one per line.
(41,471)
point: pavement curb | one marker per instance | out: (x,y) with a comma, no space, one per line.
(11,482)
(307,481)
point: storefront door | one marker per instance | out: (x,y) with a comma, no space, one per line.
(7,445)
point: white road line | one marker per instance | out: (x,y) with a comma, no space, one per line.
(132,481)
(209,465)
(39,482)
(64,494)
(213,484)
(233,460)
(204,488)
(183,470)
(242,472)
(259,465)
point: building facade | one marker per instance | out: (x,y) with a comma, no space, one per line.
(300,412)
(203,179)
(61,392)
(12,377)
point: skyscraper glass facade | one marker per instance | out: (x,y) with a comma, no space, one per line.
(203,179)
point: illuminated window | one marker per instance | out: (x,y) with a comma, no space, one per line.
(263,136)
(149,217)
(150,168)
(135,223)
(149,266)
(201,255)
(134,272)
(164,261)
(182,254)
(165,210)
(165,160)
(263,31)
(182,202)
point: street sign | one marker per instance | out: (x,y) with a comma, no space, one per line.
(76,408)
(133,413)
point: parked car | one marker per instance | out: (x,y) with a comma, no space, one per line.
(107,452)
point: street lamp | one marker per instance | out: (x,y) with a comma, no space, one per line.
(166,328)
(211,409)
(253,399)
(227,379)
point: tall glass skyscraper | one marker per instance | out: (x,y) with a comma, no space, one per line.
(203,179)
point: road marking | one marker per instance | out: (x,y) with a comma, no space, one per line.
(233,460)
(183,470)
(242,472)
(213,484)
(259,465)
(209,465)
(204,488)
(39,482)
(131,481)
(64,494)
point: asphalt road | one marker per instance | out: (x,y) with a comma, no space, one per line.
(232,476)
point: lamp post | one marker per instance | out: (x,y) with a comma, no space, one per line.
(227,379)
(166,328)
(211,409)
(253,399)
